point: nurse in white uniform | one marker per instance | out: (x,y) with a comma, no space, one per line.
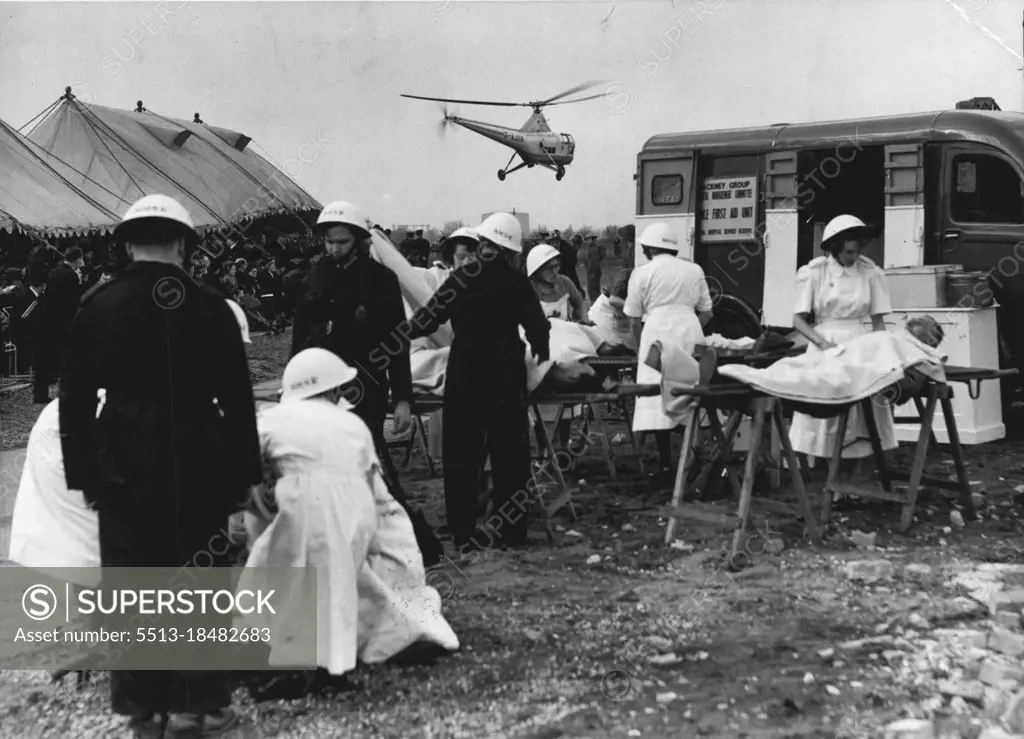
(670,296)
(840,290)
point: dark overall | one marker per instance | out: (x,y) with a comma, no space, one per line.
(485,389)
(354,309)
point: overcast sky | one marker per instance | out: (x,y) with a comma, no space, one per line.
(303,77)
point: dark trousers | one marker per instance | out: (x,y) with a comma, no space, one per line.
(593,284)
(484,414)
(124,542)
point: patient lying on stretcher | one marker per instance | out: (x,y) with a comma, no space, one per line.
(855,370)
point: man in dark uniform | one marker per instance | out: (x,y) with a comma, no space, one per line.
(172,449)
(593,256)
(407,247)
(568,260)
(628,236)
(352,305)
(485,389)
(421,248)
(63,292)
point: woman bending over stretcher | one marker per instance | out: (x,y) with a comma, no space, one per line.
(840,290)
(558,296)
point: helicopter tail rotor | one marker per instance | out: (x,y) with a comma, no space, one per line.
(447,114)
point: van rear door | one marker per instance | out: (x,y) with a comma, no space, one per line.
(666,192)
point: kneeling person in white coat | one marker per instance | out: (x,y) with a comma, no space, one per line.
(329,508)
(670,296)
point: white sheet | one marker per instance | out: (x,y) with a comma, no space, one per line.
(852,371)
(51,525)
(569,343)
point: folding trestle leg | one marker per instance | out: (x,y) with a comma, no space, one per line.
(749,470)
(624,405)
(684,462)
(565,495)
(813,529)
(721,449)
(936,393)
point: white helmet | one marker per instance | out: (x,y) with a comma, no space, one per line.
(539,256)
(157,206)
(464,233)
(660,236)
(342,213)
(502,229)
(314,371)
(243,322)
(839,224)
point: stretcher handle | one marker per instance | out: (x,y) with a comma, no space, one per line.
(980,375)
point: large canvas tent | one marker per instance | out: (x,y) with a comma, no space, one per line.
(38,193)
(210,170)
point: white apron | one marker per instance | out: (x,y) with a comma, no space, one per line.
(671,324)
(816,436)
(557,308)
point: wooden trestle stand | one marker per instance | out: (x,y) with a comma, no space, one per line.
(739,399)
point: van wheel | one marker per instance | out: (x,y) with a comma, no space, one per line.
(733,319)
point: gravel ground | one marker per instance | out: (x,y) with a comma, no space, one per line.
(609,634)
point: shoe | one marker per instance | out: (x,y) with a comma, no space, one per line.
(201,726)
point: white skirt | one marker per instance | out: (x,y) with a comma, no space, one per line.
(816,437)
(671,324)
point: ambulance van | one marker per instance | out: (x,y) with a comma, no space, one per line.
(944,187)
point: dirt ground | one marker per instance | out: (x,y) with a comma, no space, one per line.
(608,633)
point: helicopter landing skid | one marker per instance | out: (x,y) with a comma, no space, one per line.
(507,171)
(559,170)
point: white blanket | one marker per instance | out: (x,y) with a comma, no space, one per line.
(852,371)
(336,515)
(568,344)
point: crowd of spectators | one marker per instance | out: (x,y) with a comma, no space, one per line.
(262,273)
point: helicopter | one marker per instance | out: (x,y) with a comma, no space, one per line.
(535,143)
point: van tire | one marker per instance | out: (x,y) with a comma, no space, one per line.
(733,318)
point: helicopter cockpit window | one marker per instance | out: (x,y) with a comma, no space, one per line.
(667,189)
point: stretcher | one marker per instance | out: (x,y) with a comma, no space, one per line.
(927,399)
(737,399)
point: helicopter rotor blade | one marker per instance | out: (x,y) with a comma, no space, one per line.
(570,91)
(466,102)
(579,100)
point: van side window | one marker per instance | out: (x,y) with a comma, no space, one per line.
(667,189)
(985,189)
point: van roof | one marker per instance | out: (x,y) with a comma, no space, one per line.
(944,125)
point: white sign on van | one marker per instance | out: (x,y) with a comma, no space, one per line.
(728,209)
